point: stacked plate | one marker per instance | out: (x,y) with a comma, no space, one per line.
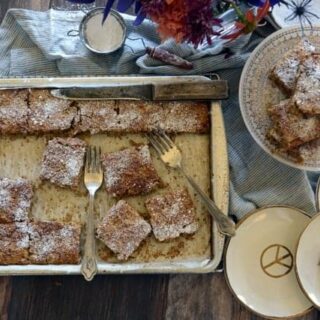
(272,265)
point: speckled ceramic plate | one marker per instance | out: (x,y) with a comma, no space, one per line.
(257,92)
(283,15)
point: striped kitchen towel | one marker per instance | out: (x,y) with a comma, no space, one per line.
(37,44)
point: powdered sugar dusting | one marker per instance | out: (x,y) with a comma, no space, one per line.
(172,214)
(123,229)
(15,199)
(130,172)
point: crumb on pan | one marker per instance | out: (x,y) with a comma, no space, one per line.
(172,214)
(122,230)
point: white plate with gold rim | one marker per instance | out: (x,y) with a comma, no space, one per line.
(308,257)
(308,261)
(259,262)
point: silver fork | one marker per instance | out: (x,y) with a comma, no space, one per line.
(171,156)
(93,177)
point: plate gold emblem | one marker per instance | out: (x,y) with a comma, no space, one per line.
(276,261)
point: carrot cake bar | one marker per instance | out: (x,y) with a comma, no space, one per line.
(129,172)
(14,243)
(285,72)
(122,230)
(49,114)
(13,111)
(172,214)
(15,199)
(63,162)
(54,243)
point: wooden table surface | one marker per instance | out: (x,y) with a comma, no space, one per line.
(117,297)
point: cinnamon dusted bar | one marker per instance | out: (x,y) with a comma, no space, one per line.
(54,243)
(285,72)
(13,111)
(127,116)
(307,91)
(63,162)
(129,172)
(15,200)
(49,114)
(291,127)
(172,214)
(14,243)
(122,230)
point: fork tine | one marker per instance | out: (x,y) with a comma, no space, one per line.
(162,141)
(99,160)
(167,138)
(88,159)
(155,144)
(94,159)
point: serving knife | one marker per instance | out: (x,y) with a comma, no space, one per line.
(201,90)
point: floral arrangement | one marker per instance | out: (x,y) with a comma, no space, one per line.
(193,21)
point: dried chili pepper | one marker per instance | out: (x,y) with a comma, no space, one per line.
(169,58)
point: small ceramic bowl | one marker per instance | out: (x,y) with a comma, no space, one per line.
(98,13)
(259,262)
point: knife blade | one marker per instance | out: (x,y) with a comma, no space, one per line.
(204,90)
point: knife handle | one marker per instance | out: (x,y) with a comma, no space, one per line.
(206,90)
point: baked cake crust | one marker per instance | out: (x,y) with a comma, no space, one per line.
(49,114)
(63,162)
(14,243)
(54,243)
(15,199)
(122,230)
(172,214)
(13,111)
(129,172)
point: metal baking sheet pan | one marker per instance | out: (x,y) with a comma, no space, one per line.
(205,158)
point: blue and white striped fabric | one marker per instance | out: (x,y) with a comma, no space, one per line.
(37,44)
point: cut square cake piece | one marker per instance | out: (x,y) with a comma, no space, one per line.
(15,199)
(184,116)
(14,243)
(291,128)
(49,114)
(172,214)
(129,172)
(285,72)
(63,162)
(122,230)
(13,111)
(54,242)
(307,91)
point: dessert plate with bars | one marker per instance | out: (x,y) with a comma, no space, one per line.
(279,97)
